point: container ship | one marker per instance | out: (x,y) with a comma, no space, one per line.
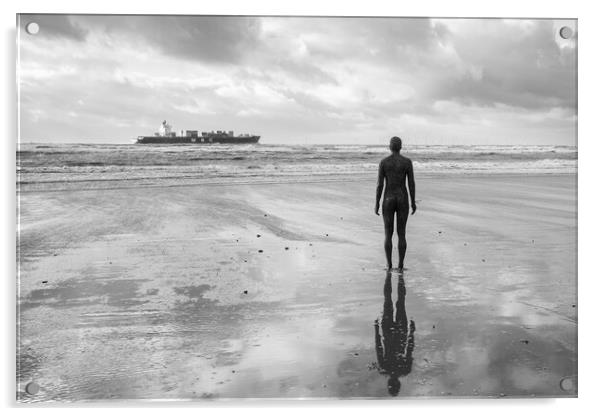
(165,135)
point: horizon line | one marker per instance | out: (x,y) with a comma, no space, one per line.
(308,144)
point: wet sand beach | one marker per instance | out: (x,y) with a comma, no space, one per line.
(272,290)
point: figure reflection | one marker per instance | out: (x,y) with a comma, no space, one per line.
(395,345)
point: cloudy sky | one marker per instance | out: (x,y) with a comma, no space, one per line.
(298,80)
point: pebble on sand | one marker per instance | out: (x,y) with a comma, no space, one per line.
(245,291)
(260,251)
(286,248)
(258,235)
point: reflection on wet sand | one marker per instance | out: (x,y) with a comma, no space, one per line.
(394,347)
(180,305)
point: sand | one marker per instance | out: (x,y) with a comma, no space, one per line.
(272,290)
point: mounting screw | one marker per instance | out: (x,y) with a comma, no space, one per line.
(32,28)
(566,32)
(32,388)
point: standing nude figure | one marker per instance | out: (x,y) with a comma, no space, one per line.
(395,169)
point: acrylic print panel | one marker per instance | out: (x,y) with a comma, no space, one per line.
(200,216)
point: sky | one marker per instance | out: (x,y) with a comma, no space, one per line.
(298,80)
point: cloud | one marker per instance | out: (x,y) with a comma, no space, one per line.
(203,38)
(315,79)
(517,63)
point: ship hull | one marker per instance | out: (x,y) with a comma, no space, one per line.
(197,140)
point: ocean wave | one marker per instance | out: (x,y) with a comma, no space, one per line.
(54,163)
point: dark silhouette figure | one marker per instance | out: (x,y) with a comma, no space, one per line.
(395,347)
(395,169)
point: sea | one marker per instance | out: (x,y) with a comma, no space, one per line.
(52,167)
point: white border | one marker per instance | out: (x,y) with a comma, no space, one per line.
(590,210)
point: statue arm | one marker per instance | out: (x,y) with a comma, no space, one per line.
(412,186)
(379,186)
